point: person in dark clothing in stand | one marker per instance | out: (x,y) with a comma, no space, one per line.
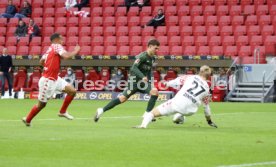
(21,29)
(81,3)
(25,11)
(10,10)
(5,71)
(158,20)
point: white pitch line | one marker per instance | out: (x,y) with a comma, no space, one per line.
(252,164)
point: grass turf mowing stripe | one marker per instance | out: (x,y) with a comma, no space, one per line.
(252,164)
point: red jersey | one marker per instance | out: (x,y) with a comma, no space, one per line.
(52,61)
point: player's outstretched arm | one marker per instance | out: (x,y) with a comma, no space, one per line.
(207,112)
(68,55)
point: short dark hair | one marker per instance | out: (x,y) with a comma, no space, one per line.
(54,36)
(154,42)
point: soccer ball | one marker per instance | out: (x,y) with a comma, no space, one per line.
(178,118)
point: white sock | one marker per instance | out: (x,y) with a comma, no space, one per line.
(147,119)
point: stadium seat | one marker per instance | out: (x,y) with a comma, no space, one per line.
(13,22)
(242,41)
(95,3)
(240,30)
(60,30)
(20,80)
(24,41)
(253,30)
(157,3)
(97,41)
(249,10)
(262,10)
(72,41)
(170,11)
(256,40)
(60,22)
(211,21)
(122,41)
(134,31)
(173,30)
(183,10)
(121,31)
(85,41)
(264,20)
(201,41)
(194,2)
(36,41)
(228,41)
(182,2)
(11,49)
(121,11)
(145,40)
(97,50)
(38,21)
(10,31)
(251,20)
(96,21)
(176,50)
(46,42)
(22,50)
(133,21)
(231,51)
(198,20)
(222,10)
(189,50)
(135,41)
(49,3)
(85,50)
(209,10)
(35,50)
(163,40)
(245,51)
(119,3)
(174,41)
(3,22)
(188,41)
(237,20)
(107,3)
(49,12)
(109,41)
(147,31)
(199,31)
(108,11)
(72,31)
(37,12)
(214,41)
(133,11)
(224,21)
(123,50)
(212,30)
(59,3)
(135,50)
(186,31)
(84,31)
(196,10)
(109,31)
(216,50)
(185,21)
(97,31)
(146,11)
(38,3)
(110,50)
(11,41)
(121,21)
(171,20)
(97,11)
(160,31)
(267,30)
(2,40)
(203,51)
(226,31)
(207,2)
(168,3)
(49,22)
(272,10)
(33,81)
(235,10)
(84,22)
(164,50)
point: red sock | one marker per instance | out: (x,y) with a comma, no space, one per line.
(66,103)
(34,111)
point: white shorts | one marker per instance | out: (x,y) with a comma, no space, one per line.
(169,108)
(47,88)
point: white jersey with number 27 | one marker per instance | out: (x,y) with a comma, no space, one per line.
(193,93)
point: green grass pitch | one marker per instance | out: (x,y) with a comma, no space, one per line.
(246,134)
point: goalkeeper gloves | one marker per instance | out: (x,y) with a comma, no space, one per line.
(212,124)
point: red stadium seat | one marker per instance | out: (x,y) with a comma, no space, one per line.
(59,3)
(251,20)
(97,50)
(163,40)
(84,31)
(173,30)
(176,50)
(201,41)
(170,11)
(145,40)
(60,22)
(216,50)
(107,3)
(272,10)
(253,30)
(262,10)
(235,10)
(188,41)
(249,9)
(84,22)
(203,50)
(13,22)
(226,31)
(133,21)
(110,50)
(183,11)
(49,12)
(237,20)
(108,11)
(46,42)
(97,31)
(38,21)
(38,3)
(242,40)
(110,41)
(97,11)
(96,21)
(37,12)
(10,31)
(194,2)
(164,50)
(121,11)
(198,20)
(224,21)
(168,3)
(245,51)
(199,31)
(49,22)
(35,50)
(133,11)
(147,31)
(134,31)
(267,30)
(85,41)
(95,3)
(2,41)
(22,50)
(72,31)
(231,51)
(222,10)
(186,31)
(11,41)
(209,11)
(61,30)
(135,41)
(118,3)
(3,31)
(3,22)
(146,11)
(157,3)
(11,49)
(49,3)
(144,20)
(97,41)
(211,21)
(122,41)
(72,41)
(121,31)
(207,2)
(240,30)
(20,80)
(196,10)
(160,31)
(135,50)
(185,21)
(228,41)
(256,40)
(121,21)
(174,41)
(123,50)
(214,41)
(24,41)
(212,30)
(171,20)
(85,50)
(189,50)
(109,31)
(264,20)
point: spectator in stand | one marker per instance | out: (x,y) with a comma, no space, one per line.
(222,78)
(70,3)
(25,11)
(21,29)
(10,10)
(116,78)
(142,3)
(81,3)
(33,29)
(158,20)
(70,77)
(5,70)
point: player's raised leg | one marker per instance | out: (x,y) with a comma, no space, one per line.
(71,92)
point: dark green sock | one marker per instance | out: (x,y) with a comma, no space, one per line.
(112,104)
(151,103)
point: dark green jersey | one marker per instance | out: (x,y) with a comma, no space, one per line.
(142,66)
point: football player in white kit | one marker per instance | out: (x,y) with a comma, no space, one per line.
(186,102)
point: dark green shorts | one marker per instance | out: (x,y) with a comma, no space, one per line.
(130,90)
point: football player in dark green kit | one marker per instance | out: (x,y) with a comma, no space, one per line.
(139,80)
